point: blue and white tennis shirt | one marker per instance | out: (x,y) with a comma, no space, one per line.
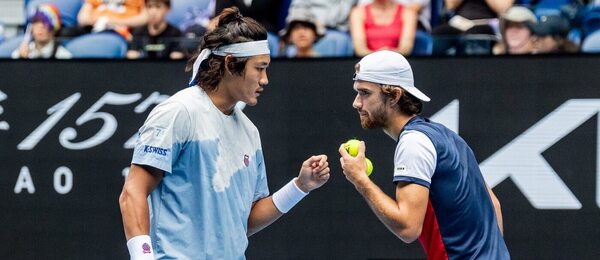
(460,222)
(214,171)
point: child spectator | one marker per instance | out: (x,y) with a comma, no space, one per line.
(302,32)
(383,24)
(158,39)
(39,41)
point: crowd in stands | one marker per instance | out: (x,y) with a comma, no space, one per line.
(172,29)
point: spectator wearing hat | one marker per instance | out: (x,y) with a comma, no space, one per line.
(383,25)
(551,35)
(516,27)
(301,32)
(39,41)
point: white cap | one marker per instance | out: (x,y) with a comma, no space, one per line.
(388,68)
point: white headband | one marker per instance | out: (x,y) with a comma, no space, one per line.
(244,49)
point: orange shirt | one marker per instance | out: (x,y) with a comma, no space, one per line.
(116,8)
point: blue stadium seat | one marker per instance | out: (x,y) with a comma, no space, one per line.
(591,43)
(98,45)
(8,46)
(68,9)
(591,21)
(182,8)
(423,45)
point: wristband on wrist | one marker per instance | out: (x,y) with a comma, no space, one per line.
(140,248)
(288,196)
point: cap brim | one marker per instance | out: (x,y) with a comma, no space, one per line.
(417,93)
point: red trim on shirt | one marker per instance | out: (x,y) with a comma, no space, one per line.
(431,238)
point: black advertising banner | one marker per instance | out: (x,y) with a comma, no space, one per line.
(67,130)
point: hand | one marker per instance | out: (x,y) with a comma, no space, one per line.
(314,173)
(354,168)
(24,51)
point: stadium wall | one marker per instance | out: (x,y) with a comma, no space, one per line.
(67,131)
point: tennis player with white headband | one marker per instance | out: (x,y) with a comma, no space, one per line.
(200,158)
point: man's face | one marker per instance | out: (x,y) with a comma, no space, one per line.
(157,12)
(302,36)
(370,104)
(248,86)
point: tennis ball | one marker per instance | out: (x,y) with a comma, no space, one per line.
(352,147)
(369,166)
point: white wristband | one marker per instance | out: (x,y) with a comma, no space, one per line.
(140,248)
(286,197)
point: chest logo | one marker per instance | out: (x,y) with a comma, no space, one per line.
(246,160)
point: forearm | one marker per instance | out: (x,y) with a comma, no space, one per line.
(452,4)
(85,16)
(497,209)
(135,214)
(499,6)
(387,211)
(263,214)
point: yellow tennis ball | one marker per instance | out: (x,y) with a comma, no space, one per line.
(352,147)
(369,166)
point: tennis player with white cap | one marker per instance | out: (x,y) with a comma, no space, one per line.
(441,197)
(200,158)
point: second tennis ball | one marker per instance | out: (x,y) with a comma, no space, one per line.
(352,149)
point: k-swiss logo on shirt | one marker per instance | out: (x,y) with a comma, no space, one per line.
(400,168)
(246,160)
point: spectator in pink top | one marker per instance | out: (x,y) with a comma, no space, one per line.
(383,25)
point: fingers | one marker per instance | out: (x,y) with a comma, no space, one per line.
(361,149)
(343,152)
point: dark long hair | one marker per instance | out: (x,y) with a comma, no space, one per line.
(231,28)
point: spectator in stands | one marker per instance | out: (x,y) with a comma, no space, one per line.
(117,15)
(158,39)
(383,25)
(332,14)
(471,17)
(423,8)
(551,35)
(302,32)
(334,17)
(516,28)
(39,41)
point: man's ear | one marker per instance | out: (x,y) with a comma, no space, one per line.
(395,98)
(228,65)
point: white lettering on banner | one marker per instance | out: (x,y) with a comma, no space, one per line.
(56,112)
(59,187)
(522,160)
(24,181)
(108,128)
(3,124)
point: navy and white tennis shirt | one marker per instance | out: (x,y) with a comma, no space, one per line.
(460,222)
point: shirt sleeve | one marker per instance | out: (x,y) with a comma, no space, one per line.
(162,136)
(415,159)
(262,188)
